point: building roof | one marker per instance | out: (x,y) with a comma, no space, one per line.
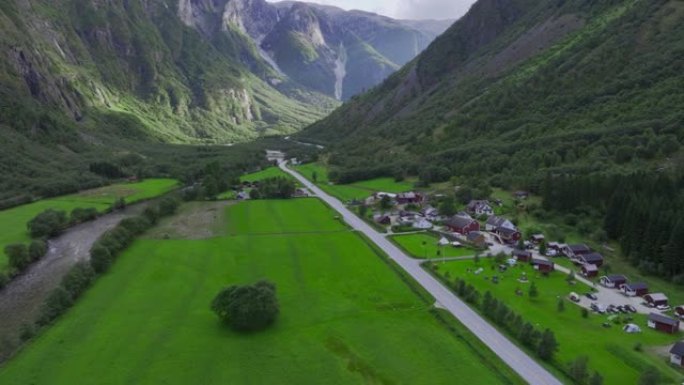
(616,278)
(590,267)
(506,231)
(593,257)
(408,195)
(538,236)
(495,221)
(475,204)
(656,297)
(579,248)
(522,253)
(539,261)
(663,319)
(637,285)
(678,348)
(473,235)
(458,221)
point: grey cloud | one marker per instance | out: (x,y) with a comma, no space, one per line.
(432,9)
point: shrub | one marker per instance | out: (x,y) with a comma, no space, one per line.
(80,215)
(78,279)
(37,250)
(18,256)
(55,305)
(4,280)
(26,332)
(247,308)
(100,259)
(47,224)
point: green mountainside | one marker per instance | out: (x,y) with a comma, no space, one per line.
(518,89)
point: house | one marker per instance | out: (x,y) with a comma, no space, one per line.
(677,354)
(476,238)
(494,222)
(521,194)
(613,281)
(537,238)
(663,323)
(382,219)
(574,251)
(679,311)
(590,259)
(589,270)
(543,266)
(637,289)
(409,198)
(522,255)
(429,212)
(554,246)
(507,235)
(422,224)
(479,208)
(462,225)
(656,299)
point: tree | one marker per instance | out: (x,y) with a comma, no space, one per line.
(533,292)
(521,244)
(596,379)
(314,177)
(542,248)
(650,376)
(547,346)
(585,313)
(561,305)
(247,308)
(363,210)
(447,207)
(579,369)
(37,250)
(47,224)
(18,256)
(385,202)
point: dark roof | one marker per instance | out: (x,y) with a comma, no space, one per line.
(657,297)
(662,319)
(579,248)
(678,348)
(522,253)
(593,257)
(506,231)
(537,261)
(473,235)
(590,267)
(616,277)
(637,285)
(495,221)
(457,221)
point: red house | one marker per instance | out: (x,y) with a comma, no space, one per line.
(637,289)
(522,255)
(462,225)
(656,299)
(590,259)
(589,270)
(543,265)
(409,197)
(663,323)
(507,235)
(677,354)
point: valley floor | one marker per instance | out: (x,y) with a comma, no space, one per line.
(346,317)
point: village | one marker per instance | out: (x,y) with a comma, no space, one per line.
(478,228)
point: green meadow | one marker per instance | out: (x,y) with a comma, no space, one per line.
(611,351)
(346,316)
(358,190)
(13,221)
(425,245)
(266,173)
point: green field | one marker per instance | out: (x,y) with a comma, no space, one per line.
(270,172)
(358,190)
(425,245)
(610,350)
(13,221)
(346,317)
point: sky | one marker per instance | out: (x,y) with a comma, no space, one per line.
(405,9)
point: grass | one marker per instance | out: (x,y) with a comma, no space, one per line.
(610,351)
(346,317)
(413,244)
(270,172)
(358,190)
(13,221)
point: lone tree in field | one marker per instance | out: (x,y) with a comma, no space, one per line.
(247,308)
(547,346)
(533,292)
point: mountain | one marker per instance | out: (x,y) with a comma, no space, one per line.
(519,89)
(87,79)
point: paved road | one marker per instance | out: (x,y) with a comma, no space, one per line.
(518,360)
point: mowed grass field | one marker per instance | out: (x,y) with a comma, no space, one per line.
(266,173)
(610,350)
(13,221)
(358,190)
(346,317)
(426,245)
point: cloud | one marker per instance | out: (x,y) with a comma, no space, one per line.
(406,9)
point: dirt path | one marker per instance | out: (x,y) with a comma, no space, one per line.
(21,300)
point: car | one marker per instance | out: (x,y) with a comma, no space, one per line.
(591,296)
(663,307)
(630,308)
(621,309)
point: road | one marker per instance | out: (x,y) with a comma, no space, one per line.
(518,360)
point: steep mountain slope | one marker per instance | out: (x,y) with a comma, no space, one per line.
(520,88)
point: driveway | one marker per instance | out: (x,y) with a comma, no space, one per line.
(518,360)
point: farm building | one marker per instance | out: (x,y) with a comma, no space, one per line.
(636,289)
(574,251)
(543,265)
(677,354)
(613,281)
(462,225)
(507,235)
(494,223)
(409,198)
(555,246)
(479,208)
(589,270)
(679,311)
(477,238)
(663,323)
(537,238)
(430,213)
(522,255)
(382,219)
(656,299)
(591,259)
(422,224)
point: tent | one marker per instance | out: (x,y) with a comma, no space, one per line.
(443,242)
(631,328)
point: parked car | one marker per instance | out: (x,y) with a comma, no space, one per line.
(591,296)
(630,308)
(663,307)
(574,297)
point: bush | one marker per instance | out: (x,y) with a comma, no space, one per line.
(26,332)
(18,256)
(47,224)
(78,279)
(100,259)
(4,280)
(80,215)
(37,250)
(247,308)
(55,305)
